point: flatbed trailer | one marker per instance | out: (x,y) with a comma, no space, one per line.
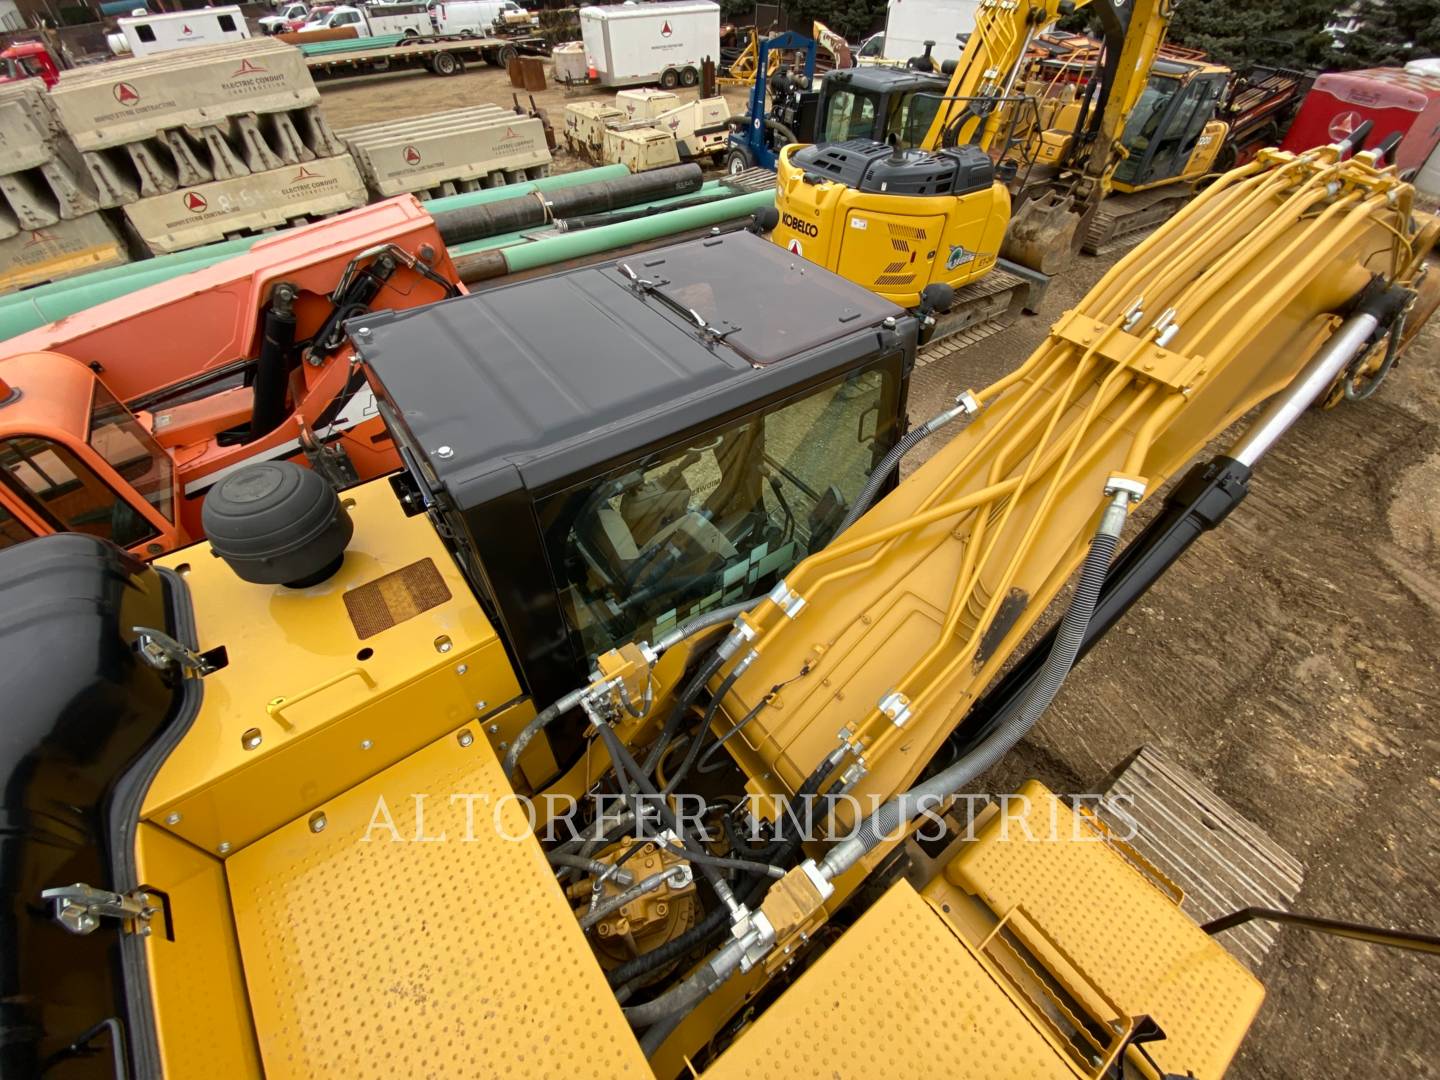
(445,55)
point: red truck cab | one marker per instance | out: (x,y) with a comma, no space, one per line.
(29,60)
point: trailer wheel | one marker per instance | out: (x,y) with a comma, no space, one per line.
(447,64)
(488,55)
(738,160)
(506,54)
(669,78)
(689,76)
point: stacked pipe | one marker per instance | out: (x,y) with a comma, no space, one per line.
(200,144)
(445,153)
(49,221)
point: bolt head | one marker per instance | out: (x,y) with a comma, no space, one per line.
(466,738)
(494,729)
(461,669)
(366,744)
(224,847)
(318,823)
(172,818)
(444,453)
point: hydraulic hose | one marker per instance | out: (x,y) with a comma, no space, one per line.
(661,955)
(634,892)
(527,734)
(695,987)
(702,622)
(1016,723)
(964,405)
(693,753)
(1392,350)
(591,866)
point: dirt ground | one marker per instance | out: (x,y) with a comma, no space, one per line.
(1289,660)
(400,95)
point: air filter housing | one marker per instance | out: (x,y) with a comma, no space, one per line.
(275,523)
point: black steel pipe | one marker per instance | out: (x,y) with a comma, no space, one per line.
(467,223)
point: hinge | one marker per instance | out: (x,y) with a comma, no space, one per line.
(160,650)
(79,908)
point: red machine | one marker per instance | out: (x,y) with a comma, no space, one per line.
(115,420)
(29,60)
(1396,100)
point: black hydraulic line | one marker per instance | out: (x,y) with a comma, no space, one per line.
(272,368)
(467,223)
(1200,502)
(693,753)
(1372,935)
(634,213)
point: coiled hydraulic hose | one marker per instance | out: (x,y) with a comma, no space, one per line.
(1011,727)
(964,405)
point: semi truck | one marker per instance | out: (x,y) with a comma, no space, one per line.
(633,44)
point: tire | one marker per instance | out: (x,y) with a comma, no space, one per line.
(689,76)
(505,55)
(446,63)
(489,57)
(669,79)
(738,160)
(467,33)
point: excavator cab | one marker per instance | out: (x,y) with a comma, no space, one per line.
(1172,133)
(884,104)
(78,460)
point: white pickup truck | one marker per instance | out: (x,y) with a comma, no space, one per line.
(412,20)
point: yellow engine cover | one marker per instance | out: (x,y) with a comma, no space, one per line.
(894,245)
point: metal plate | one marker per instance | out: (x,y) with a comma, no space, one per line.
(396,957)
(1121,931)
(392,598)
(899,995)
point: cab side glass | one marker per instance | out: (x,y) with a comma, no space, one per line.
(64,488)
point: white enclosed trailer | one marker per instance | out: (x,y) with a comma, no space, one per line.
(911,23)
(631,44)
(145,35)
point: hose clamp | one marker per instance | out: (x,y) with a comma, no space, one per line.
(745,661)
(817,878)
(896,706)
(1127,485)
(787,599)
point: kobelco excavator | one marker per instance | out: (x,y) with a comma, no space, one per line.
(619,733)
(902,192)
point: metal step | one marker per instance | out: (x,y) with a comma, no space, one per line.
(1219,860)
(751,180)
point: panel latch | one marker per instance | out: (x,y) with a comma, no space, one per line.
(79,908)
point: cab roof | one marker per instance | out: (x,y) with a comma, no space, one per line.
(529,383)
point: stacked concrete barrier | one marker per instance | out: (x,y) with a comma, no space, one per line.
(49,221)
(198,144)
(449,152)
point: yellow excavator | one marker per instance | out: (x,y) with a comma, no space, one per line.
(902,191)
(623,732)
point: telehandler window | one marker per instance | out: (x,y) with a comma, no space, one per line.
(64,488)
(12,531)
(717,518)
(130,450)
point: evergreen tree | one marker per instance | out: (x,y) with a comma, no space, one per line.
(1242,33)
(1390,33)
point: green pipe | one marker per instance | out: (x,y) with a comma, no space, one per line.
(576,245)
(343,45)
(31,308)
(179,261)
(533,233)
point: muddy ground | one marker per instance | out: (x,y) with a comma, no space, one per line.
(1289,660)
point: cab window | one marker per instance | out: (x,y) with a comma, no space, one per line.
(850,115)
(130,450)
(716,519)
(65,489)
(912,117)
(12,530)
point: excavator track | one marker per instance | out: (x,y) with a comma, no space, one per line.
(980,309)
(1124,218)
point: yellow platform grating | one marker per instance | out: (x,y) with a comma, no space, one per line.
(395,958)
(899,995)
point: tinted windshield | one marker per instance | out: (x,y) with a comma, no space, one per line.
(719,518)
(131,451)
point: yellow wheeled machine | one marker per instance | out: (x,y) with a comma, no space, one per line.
(621,732)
